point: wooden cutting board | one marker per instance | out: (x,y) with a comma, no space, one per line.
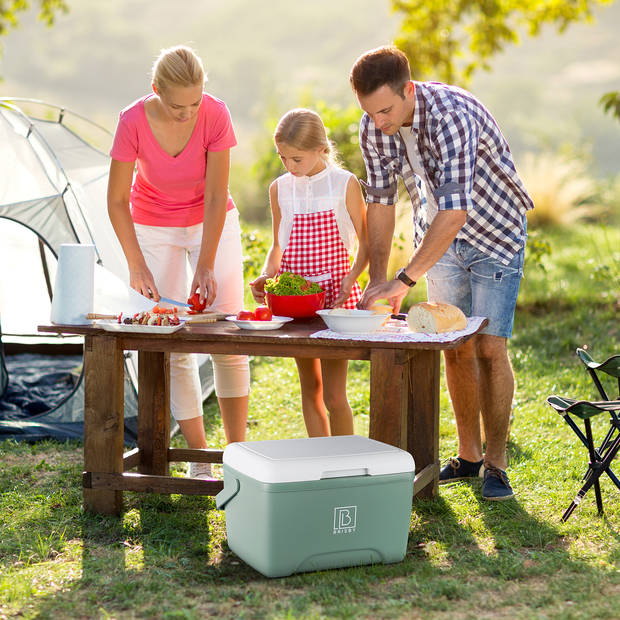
(204,317)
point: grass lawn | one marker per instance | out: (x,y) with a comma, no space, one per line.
(167,557)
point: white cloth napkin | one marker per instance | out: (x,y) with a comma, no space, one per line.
(397,331)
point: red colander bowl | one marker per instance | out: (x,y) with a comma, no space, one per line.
(295,306)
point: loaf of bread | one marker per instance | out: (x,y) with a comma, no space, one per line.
(434,318)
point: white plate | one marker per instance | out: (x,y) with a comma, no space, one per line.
(275,323)
(114,326)
(353,321)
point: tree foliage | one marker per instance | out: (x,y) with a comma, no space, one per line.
(451,39)
(610,102)
(10,9)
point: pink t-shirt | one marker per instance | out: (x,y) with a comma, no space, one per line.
(167,190)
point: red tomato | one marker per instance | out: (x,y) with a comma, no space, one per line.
(263,313)
(245,315)
(194,302)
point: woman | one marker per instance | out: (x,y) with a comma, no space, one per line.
(178,138)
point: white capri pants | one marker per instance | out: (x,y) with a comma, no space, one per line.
(166,251)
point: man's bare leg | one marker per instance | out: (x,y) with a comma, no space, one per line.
(496,381)
(463,385)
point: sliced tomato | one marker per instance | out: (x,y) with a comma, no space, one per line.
(245,315)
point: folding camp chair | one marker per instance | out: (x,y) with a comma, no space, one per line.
(601,457)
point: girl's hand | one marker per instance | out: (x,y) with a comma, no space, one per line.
(345,289)
(141,280)
(258,288)
(204,283)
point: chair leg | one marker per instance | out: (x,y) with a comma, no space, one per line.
(569,511)
(593,478)
(598,384)
(606,441)
(584,441)
(594,465)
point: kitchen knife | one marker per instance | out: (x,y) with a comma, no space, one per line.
(167,300)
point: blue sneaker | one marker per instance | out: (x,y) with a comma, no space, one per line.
(496,486)
(459,469)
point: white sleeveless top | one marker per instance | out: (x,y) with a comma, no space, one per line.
(323,191)
(415,161)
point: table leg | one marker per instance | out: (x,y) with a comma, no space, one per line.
(104,400)
(422,416)
(388,390)
(153,412)
(404,408)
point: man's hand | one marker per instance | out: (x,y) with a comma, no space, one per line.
(393,290)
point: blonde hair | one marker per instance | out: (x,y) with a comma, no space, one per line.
(303,129)
(177,66)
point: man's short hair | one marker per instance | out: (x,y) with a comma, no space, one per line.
(378,67)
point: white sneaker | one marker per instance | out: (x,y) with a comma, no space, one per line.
(200,470)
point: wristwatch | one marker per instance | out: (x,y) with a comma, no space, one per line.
(404,278)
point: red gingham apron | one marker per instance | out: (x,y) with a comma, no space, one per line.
(316,252)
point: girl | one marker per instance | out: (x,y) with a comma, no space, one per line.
(318,212)
(180,138)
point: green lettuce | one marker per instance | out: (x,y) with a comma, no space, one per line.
(291,284)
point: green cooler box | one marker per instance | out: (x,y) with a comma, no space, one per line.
(295,505)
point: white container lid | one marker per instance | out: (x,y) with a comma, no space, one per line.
(316,458)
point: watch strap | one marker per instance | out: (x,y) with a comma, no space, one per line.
(404,278)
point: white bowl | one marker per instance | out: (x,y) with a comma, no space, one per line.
(353,321)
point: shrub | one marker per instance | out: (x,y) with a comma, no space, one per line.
(562,189)
(255,243)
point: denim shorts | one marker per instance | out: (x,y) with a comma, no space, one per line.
(478,284)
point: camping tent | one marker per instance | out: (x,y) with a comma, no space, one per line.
(53,185)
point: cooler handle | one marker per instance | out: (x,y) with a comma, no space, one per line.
(344,473)
(226,494)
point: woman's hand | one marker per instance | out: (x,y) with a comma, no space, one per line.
(141,280)
(346,286)
(204,283)
(258,288)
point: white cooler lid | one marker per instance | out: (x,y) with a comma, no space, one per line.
(316,458)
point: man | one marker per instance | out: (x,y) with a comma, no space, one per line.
(469,230)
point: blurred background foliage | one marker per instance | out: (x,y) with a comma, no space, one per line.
(546,69)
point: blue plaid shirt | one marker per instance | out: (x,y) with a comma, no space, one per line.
(468,164)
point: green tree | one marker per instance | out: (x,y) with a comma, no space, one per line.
(10,9)
(451,39)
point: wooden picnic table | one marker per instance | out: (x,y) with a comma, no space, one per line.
(404,401)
